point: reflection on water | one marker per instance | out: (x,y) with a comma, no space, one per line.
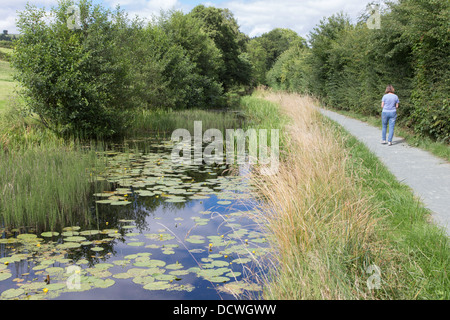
(164,231)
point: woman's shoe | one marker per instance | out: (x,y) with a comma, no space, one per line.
(383,142)
(389,143)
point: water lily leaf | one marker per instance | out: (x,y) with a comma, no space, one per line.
(56,286)
(72,228)
(89,232)
(174,266)
(120,203)
(218,279)
(196,239)
(121,263)
(220,263)
(179,272)
(104,201)
(182,287)
(27,237)
(168,251)
(75,239)
(136,244)
(164,277)
(103,283)
(68,245)
(157,263)
(157,285)
(12,293)
(103,266)
(233,274)
(238,287)
(143,279)
(54,270)
(5,275)
(159,236)
(49,234)
(97,249)
(242,260)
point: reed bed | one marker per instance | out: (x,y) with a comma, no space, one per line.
(46,186)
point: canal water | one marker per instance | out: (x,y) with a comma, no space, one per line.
(164,230)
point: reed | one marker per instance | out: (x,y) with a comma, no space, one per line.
(163,122)
(319,225)
(46,186)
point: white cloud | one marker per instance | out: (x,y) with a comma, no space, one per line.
(254,16)
(259,16)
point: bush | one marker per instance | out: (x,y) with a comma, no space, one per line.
(73,80)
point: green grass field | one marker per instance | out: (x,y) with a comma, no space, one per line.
(7,83)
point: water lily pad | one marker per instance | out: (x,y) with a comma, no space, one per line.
(27,237)
(49,234)
(174,266)
(56,286)
(224,202)
(156,263)
(75,239)
(196,239)
(97,249)
(54,270)
(218,279)
(143,280)
(136,244)
(68,245)
(5,275)
(89,232)
(168,251)
(121,263)
(242,260)
(157,285)
(12,293)
(120,203)
(103,283)
(164,277)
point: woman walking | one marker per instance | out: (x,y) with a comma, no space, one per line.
(389,104)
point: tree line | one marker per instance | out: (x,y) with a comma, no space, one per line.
(348,66)
(91,79)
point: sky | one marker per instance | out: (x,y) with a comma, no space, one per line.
(254,17)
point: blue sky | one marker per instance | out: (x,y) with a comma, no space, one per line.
(255,17)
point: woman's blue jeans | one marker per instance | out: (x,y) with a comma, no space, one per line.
(388,118)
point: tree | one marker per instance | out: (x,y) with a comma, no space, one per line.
(72,79)
(265,50)
(222,28)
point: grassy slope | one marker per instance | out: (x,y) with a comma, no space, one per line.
(330,225)
(6,83)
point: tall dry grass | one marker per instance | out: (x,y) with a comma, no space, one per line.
(319,225)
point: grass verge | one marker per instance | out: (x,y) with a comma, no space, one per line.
(340,225)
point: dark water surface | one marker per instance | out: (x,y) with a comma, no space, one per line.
(164,231)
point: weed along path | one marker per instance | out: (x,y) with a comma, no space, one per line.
(427,175)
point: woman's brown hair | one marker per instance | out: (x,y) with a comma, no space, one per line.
(390,89)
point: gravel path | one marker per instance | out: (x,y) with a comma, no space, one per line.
(427,175)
